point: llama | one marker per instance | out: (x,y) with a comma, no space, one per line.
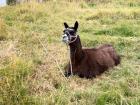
(88,62)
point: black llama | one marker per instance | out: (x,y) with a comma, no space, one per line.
(87,62)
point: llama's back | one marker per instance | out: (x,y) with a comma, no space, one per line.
(109,49)
(104,55)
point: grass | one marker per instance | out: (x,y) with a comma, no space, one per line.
(29,75)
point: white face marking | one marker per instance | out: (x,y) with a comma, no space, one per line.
(70,29)
(65,38)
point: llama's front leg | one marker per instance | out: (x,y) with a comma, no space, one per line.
(91,74)
(67,71)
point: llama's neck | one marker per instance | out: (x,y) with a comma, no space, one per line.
(76,53)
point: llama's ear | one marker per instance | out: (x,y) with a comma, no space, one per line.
(66,25)
(76,25)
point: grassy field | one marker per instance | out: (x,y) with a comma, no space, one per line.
(32,55)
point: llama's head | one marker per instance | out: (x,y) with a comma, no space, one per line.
(70,35)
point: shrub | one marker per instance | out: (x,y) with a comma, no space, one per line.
(3,30)
(11,2)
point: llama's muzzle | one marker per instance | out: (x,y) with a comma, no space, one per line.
(65,39)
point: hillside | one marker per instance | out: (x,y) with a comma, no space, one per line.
(32,55)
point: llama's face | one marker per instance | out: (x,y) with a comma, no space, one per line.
(69,35)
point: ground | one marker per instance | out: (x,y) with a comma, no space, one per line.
(32,56)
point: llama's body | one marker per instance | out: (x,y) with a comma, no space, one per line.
(90,62)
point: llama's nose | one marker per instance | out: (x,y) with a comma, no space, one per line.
(65,38)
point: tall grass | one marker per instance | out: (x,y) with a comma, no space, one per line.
(14,88)
(3,30)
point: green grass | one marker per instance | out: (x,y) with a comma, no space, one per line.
(29,75)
